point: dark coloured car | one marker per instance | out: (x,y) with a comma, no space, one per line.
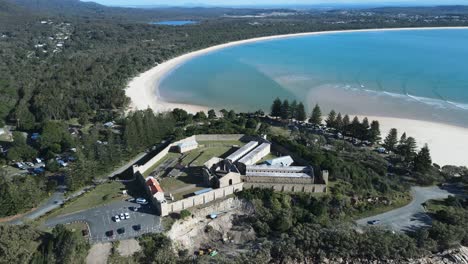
(110,233)
(373,222)
(121,230)
(137,227)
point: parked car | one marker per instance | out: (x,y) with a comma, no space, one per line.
(117,218)
(373,222)
(122,216)
(127,216)
(110,233)
(134,208)
(141,201)
(121,230)
(137,227)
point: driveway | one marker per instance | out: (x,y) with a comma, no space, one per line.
(100,220)
(413,215)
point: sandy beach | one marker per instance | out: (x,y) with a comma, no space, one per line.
(448,144)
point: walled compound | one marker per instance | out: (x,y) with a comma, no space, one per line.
(176,181)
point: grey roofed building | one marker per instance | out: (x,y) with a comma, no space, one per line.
(279,171)
(281,161)
(256,155)
(242,151)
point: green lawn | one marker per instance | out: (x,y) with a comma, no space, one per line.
(102,194)
(267,157)
(433,206)
(280,131)
(397,202)
(180,195)
(170,155)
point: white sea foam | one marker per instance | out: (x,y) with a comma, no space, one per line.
(438,103)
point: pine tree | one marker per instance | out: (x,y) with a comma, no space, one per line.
(346,124)
(293,110)
(300,113)
(331,119)
(339,122)
(423,161)
(211,114)
(374,132)
(276,108)
(391,140)
(316,116)
(355,128)
(285,110)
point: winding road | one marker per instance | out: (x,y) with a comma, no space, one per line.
(413,215)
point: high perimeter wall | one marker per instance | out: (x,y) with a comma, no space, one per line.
(288,187)
(228,137)
(201,199)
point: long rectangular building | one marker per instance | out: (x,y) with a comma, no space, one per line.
(256,155)
(242,151)
(279,171)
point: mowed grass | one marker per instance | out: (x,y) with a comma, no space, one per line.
(170,155)
(181,195)
(280,131)
(267,157)
(433,206)
(103,194)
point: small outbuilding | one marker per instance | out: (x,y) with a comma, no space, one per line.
(281,161)
(185,146)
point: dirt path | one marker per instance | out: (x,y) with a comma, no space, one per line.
(99,253)
(128,247)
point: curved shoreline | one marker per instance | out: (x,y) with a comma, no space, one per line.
(143,91)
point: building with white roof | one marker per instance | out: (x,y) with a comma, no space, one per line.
(256,155)
(242,151)
(284,161)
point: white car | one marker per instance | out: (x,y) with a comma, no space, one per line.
(141,201)
(122,216)
(117,218)
(127,216)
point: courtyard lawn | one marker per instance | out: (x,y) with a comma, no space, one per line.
(267,157)
(173,184)
(170,155)
(102,194)
(180,195)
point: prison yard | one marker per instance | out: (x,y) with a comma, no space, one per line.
(180,173)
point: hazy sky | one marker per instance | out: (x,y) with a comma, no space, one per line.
(273,2)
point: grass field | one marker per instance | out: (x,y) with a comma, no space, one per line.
(433,206)
(280,131)
(102,194)
(170,155)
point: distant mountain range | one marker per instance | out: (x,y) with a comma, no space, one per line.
(147,13)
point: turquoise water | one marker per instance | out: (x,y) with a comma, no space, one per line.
(421,74)
(174,22)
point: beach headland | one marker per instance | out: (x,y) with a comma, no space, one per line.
(448,143)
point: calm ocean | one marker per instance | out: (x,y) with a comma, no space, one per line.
(420,74)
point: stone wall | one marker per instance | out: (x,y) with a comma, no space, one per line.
(220,137)
(278,180)
(201,199)
(285,187)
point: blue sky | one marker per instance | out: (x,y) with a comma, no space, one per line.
(274,2)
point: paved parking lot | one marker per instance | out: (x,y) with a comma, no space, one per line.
(101,220)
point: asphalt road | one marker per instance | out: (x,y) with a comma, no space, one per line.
(101,220)
(413,215)
(52,203)
(58,198)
